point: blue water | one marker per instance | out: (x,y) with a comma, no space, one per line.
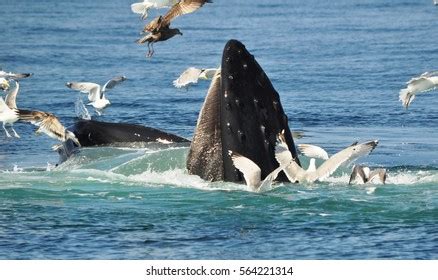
(338,66)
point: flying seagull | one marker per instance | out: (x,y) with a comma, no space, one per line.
(363,174)
(8,111)
(425,82)
(49,124)
(252,172)
(159,28)
(96,93)
(191,76)
(142,8)
(295,173)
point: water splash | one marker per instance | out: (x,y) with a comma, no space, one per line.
(80,109)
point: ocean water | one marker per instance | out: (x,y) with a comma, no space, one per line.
(337,65)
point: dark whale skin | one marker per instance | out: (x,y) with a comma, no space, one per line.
(96,133)
(247,116)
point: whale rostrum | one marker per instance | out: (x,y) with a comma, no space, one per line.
(242,112)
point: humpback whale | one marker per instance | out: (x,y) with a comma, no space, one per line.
(96,133)
(242,112)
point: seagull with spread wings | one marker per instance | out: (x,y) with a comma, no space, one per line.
(159,28)
(96,93)
(191,76)
(425,82)
(295,173)
(49,124)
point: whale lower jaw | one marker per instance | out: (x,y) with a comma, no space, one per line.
(242,112)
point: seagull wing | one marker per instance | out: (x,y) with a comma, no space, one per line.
(422,84)
(92,89)
(348,154)
(5,108)
(267,182)
(356,174)
(156,24)
(113,82)
(12,96)
(14,76)
(313,151)
(189,76)
(183,7)
(251,172)
(141,8)
(284,157)
(378,175)
(207,74)
(47,123)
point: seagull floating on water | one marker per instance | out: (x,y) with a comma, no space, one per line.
(8,110)
(425,82)
(159,28)
(142,8)
(191,76)
(96,93)
(295,173)
(363,174)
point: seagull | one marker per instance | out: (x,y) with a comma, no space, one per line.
(425,82)
(363,174)
(96,93)
(191,76)
(4,84)
(295,173)
(14,76)
(159,28)
(8,110)
(49,124)
(435,2)
(8,116)
(252,173)
(153,37)
(142,8)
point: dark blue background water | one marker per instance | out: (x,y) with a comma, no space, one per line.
(338,66)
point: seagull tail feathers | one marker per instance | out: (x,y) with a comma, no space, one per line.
(406,97)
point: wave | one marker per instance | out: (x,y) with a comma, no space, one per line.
(155,166)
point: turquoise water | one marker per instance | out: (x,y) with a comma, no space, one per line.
(338,66)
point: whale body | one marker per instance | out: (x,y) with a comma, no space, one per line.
(241,113)
(96,133)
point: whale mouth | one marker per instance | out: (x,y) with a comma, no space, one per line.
(242,112)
